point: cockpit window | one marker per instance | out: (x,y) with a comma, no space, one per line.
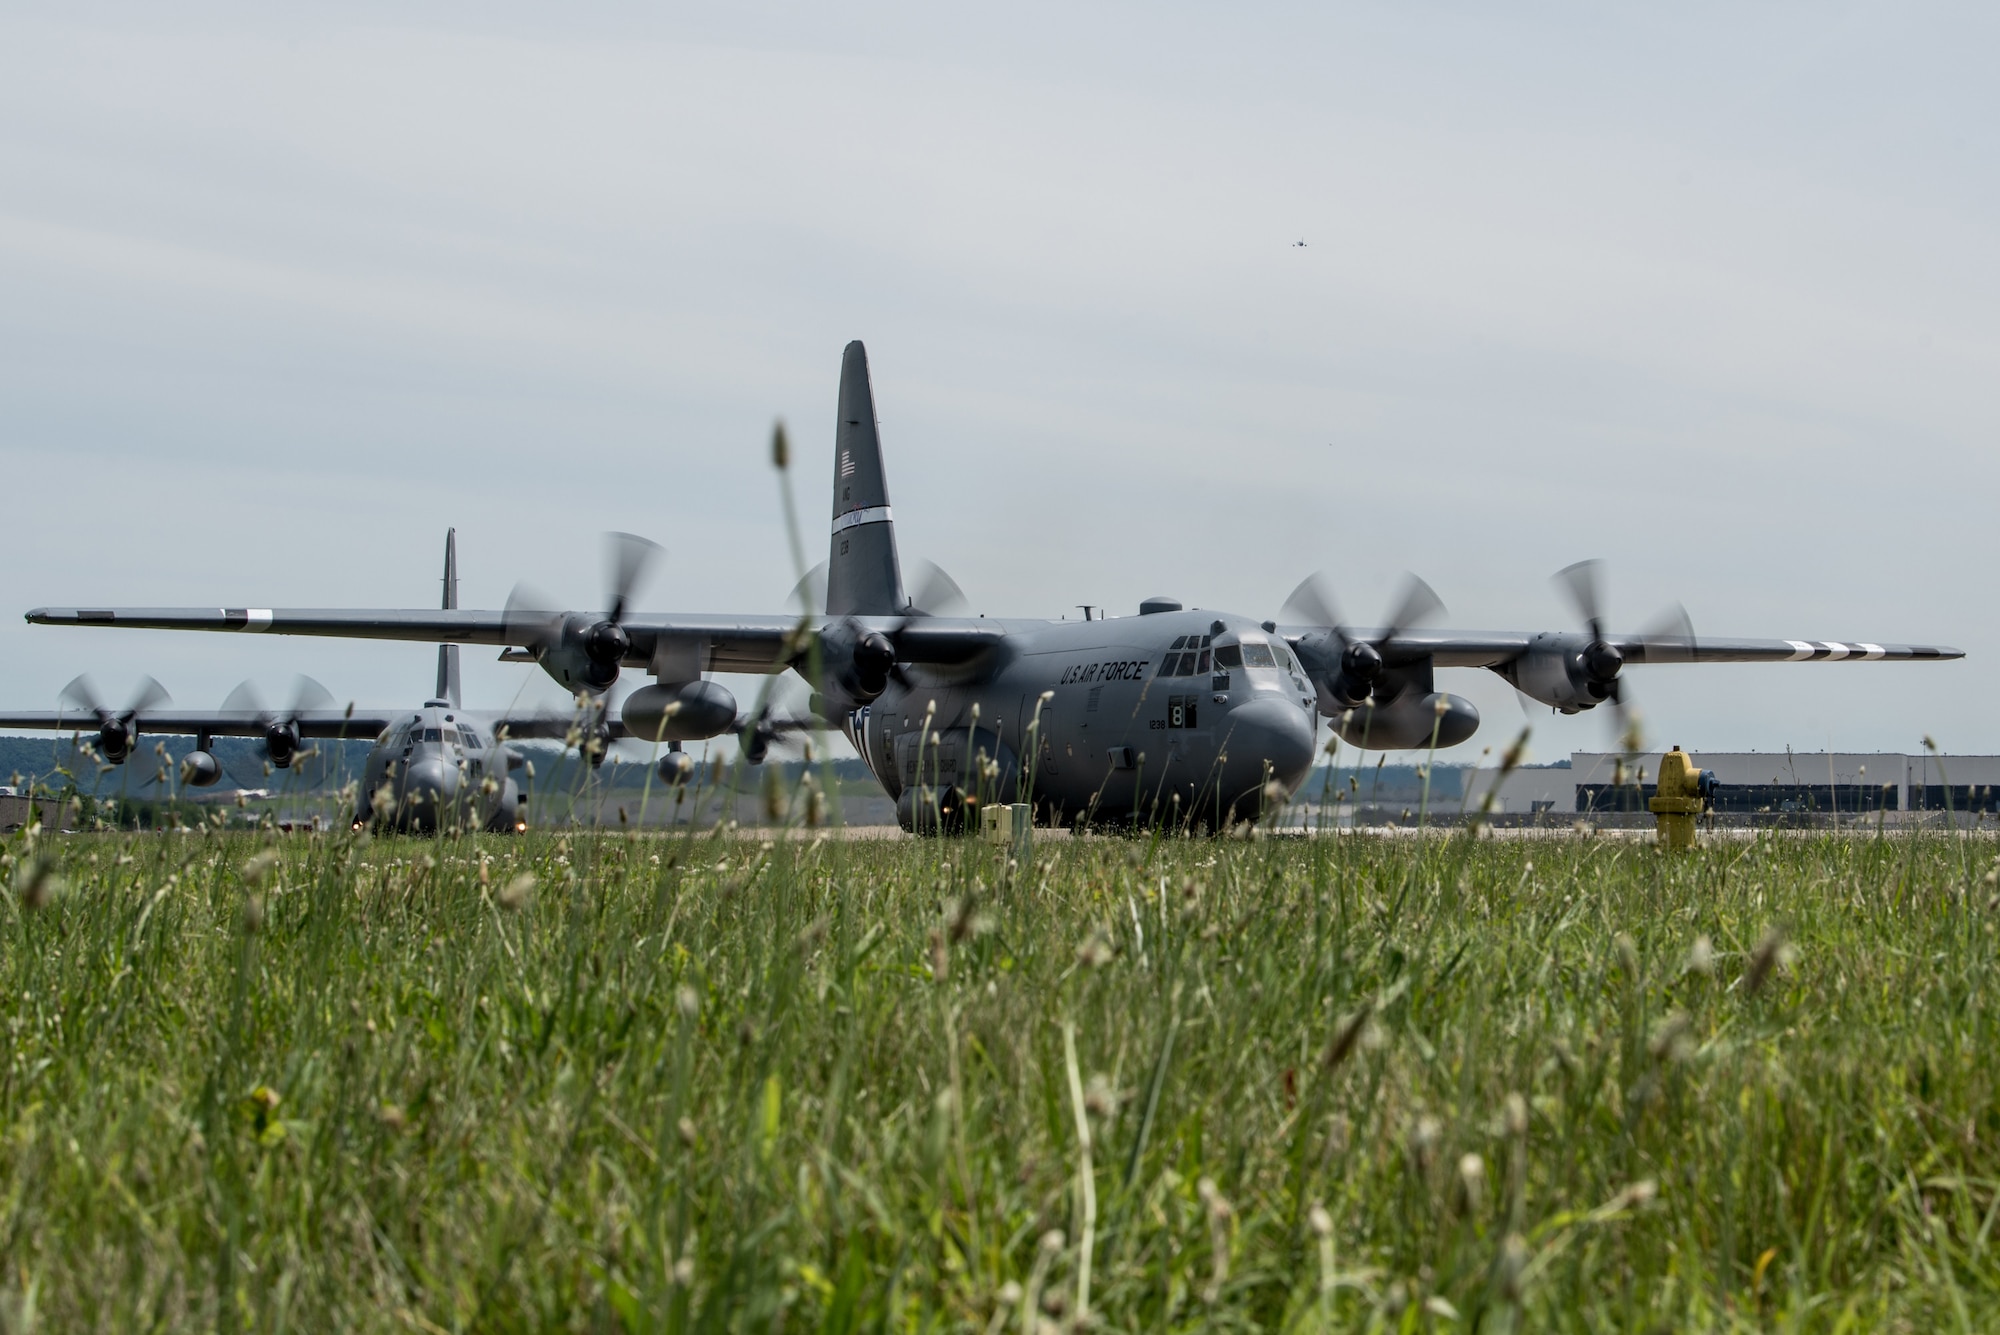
(1258,655)
(432,735)
(1187,663)
(1229,655)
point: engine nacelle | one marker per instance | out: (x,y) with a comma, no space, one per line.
(1344,675)
(1569,673)
(585,653)
(114,740)
(855,664)
(1410,722)
(676,768)
(687,712)
(200,769)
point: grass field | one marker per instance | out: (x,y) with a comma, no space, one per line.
(1349,1083)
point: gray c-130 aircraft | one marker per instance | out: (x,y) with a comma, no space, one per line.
(440,766)
(1175,714)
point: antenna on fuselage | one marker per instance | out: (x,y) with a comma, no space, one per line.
(447,686)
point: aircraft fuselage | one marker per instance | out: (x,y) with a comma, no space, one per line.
(1182,716)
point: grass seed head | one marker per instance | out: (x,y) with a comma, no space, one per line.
(514,895)
(1095,952)
(1700,957)
(1634,1197)
(1425,1133)
(1319,1221)
(1472,1179)
(1516,1114)
(1347,1036)
(687,1001)
(1670,1038)
(1099,1098)
(36,882)
(1770,955)
(1512,1265)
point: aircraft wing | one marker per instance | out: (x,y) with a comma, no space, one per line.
(314,723)
(546,727)
(1702,649)
(429,625)
(1451,648)
(721,643)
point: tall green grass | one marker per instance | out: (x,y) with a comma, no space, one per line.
(693,1082)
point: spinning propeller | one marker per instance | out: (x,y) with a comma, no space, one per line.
(283,747)
(864,659)
(779,720)
(1669,638)
(1350,672)
(115,727)
(600,646)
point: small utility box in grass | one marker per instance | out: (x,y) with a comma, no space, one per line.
(1008,823)
(1683,793)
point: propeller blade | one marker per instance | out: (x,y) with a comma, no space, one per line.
(1418,603)
(809,594)
(245,699)
(1626,718)
(530,618)
(243,761)
(1312,604)
(81,694)
(627,560)
(1669,637)
(308,694)
(148,694)
(1580,582)
(937,594)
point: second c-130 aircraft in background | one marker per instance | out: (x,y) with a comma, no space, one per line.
(1176,714)
(441,766)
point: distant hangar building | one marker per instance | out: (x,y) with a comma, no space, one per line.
(1751,783)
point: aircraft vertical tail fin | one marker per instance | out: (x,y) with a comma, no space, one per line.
(447,688)
(862,573)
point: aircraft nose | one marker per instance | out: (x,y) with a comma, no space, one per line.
(429,787)
(1273,731)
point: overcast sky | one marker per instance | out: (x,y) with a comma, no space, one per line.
(1711,291)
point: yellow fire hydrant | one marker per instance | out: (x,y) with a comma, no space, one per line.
(1683,794)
